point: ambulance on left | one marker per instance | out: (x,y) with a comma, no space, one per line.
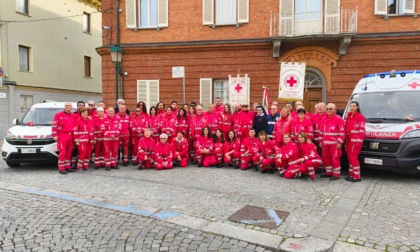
(30,140)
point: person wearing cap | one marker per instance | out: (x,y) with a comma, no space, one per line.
(244,122)
(145,150)
(99,125)
(163,153)
(302,124)
(180,149)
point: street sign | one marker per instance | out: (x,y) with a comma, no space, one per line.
(177,72)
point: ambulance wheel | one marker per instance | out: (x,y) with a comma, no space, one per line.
(10,164)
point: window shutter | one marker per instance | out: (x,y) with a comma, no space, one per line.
(142,91)
(332,16)
(208,10)
(206,92)
(243,11)
(249,90)
(286,17)
(153,92)
(381,7)
(131,17)
(409,6)
(162,13)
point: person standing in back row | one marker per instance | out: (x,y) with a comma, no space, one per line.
(355,133)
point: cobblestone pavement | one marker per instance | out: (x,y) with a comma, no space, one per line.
(36,223)
(381,212)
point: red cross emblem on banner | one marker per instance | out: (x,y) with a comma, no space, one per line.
(414,85)
(291,81)
(238,88)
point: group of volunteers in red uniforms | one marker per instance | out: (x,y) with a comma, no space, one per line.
(290,142)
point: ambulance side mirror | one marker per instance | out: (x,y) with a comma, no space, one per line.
(15,121)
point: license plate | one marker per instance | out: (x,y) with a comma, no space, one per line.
(373,161)
(28,150)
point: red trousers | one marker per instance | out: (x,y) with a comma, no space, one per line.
(134,150)
(281,164)
(85,149)
(159,164)
(234,157)
(202,158)
(184,160)
(65,147)
(265,164)
(217,157)
(353,151)
(111,148)
(147,163)
(125,143)
(245,161)
(99,157)
(309,167)
(292,171)
(331,158)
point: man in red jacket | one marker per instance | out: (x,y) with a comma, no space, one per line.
(124,132)
(112,140)
(331,140)
(62,131)
(83,138)
(100,123)
(214,118)
(244,122)
(163,153)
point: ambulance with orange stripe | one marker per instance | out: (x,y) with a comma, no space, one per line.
(31,140)
(390,102)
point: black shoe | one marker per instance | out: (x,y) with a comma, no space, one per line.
(125,164)
(74,166)
(140,167)
(79,170)
(281,175)
(355,180)
(71,170)
(200,165)
(108,168)
(219,166)
(193,162)
(256,168)
(334,178)
(318,171)
(270,171)
(115,167)
(325,176)
(85,169)
(63,172)
(230,165)
(97,167)
(135,163)
(264,171)
(348,178)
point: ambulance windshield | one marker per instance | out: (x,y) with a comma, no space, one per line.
(389,107)
(40,116)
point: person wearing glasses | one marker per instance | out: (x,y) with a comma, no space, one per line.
(244,122)
(163,153)
(287,158)
(91,109)
(316,121)
(117,107)
(355,133)
(310,160)
(139,121)
(271,120)
(331,139)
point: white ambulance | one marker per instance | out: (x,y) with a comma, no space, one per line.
(390,102)
(30,140)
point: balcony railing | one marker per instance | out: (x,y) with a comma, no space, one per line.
(313,23)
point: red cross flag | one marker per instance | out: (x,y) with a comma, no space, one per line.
(238,89)
(292,81)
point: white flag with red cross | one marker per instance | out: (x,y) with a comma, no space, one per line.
(238,89)
(292,81)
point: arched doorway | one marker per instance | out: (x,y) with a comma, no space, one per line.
(315,90)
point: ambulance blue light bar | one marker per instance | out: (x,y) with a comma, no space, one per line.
(389,73)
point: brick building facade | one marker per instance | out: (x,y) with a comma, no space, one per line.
(340,42)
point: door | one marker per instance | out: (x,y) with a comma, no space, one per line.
(314,92)
(312,97)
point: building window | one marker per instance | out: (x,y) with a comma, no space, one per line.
(221,90)
(86,22)
(87,64)
(146,14)
(148,92)
(394,7)
(22,6)
(24,58)
(225,12)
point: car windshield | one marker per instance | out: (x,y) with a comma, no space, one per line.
(391,107)
(40,116)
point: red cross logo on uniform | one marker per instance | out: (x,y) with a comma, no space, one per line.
(291,81)
(238,88)
(414,85)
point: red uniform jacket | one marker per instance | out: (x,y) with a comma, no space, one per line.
(235,145)
(146,146)
(250,146)
(268,149)
(169,125)
(290,153)
(219,109)
(197,123)
(155,124)
(355,128)
(204,142)
(308,151)
(218,146)
(112,129)
(332,131)
(316,120)
(179,147)
(282,126)
(227,122)
(63,123)
(244,122)
(182,125)
(125,124)
(214,120)
(302,126)
(83,131)
(138,124)
(163,152)
(99,127)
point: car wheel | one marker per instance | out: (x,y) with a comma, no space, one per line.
(10,164)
